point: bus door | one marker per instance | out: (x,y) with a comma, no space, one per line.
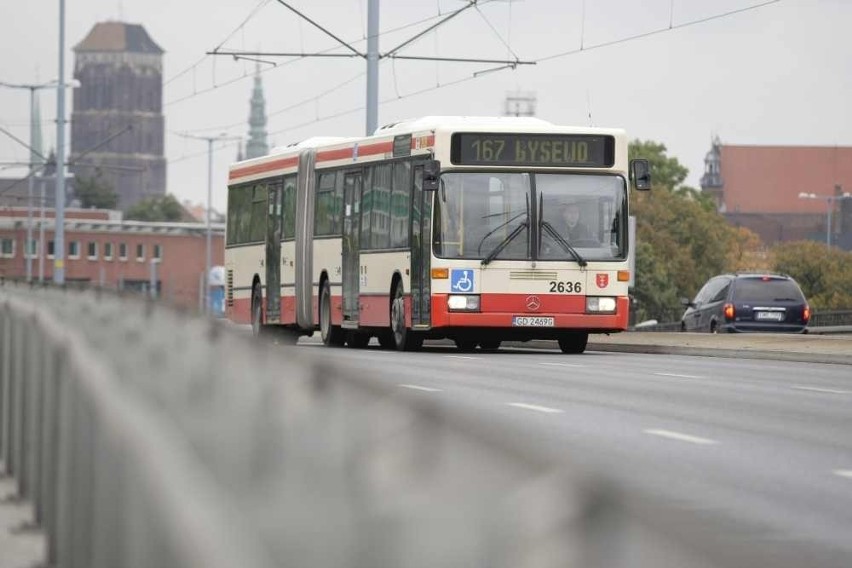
(273,254)
(421,252)
(351,257)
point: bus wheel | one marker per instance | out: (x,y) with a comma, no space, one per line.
(403,338)
(256,312)
(490,345)
(574,342)
(465,345)
(332,335)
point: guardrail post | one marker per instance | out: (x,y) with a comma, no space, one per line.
(16,398)
(5,386)
(65,470)
(46,507)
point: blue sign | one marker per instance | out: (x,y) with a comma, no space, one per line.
(461,281)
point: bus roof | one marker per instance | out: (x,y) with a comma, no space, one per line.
(463,122)
(282,157)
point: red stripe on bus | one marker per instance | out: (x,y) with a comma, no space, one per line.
(326,156)
(375,311)
(263,168)
(240,312)
(517,303)
(345,153)
(336,310)
(563,318)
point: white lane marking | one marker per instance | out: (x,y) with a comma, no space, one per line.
(535,407)
(460,357)
(680,437)
(561,365)
(419,388)
(817,389)
(678,376)
(843,473)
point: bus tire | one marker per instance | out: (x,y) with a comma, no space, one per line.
(490,345)
(403,338)
(332,335)
(256,311)
(574,342)
(465,345)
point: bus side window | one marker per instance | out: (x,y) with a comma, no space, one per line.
(289,228)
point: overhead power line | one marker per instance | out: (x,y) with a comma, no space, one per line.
(481,73)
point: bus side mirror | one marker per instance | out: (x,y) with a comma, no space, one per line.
(640,171)
(431,172)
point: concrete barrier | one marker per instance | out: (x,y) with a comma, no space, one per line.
(146,438)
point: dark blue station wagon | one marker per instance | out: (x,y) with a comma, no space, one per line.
(747,302)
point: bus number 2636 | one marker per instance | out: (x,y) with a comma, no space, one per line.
(565,287)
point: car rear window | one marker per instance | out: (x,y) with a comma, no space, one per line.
(766,290)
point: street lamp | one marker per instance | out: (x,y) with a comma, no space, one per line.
(223,137)
(34,155)
(829,199)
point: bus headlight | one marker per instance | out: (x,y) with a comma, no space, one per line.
(597,304)
(466,303)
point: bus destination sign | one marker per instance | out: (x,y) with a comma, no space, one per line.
(545,150)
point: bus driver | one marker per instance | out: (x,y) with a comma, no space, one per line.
(575,229)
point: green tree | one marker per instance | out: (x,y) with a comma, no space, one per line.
(165,208)
(823,274)
(95,192)
(681,241)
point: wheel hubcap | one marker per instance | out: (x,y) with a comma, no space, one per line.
(325,317)
(398,319)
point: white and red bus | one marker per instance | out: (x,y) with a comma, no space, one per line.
(442,227)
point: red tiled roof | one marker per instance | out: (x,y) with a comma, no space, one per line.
(768,179)
(118,36)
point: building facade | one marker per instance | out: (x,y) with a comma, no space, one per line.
(783,193)
(102,250)
(117,124)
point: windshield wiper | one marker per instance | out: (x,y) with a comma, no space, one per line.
(563,243)
(505,242)
(509,238)
(497,228)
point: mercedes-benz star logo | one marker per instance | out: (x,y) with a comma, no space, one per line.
(533,303)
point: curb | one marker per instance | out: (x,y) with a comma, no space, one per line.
(658,349)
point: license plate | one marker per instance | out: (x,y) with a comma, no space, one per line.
(769,316)
(532,321)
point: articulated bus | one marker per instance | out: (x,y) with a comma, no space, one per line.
(477,230)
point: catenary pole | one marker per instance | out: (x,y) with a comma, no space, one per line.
(372,66)
(59,231)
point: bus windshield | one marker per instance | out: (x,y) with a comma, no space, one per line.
(530,216)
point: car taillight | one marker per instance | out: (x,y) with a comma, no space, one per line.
(806,313)
(729,312)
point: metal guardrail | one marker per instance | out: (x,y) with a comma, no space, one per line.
(149,439)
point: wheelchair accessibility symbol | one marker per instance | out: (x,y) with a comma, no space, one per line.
(461,281)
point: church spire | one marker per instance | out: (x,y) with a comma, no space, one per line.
(257,144)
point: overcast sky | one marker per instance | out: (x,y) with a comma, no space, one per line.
(777,74)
